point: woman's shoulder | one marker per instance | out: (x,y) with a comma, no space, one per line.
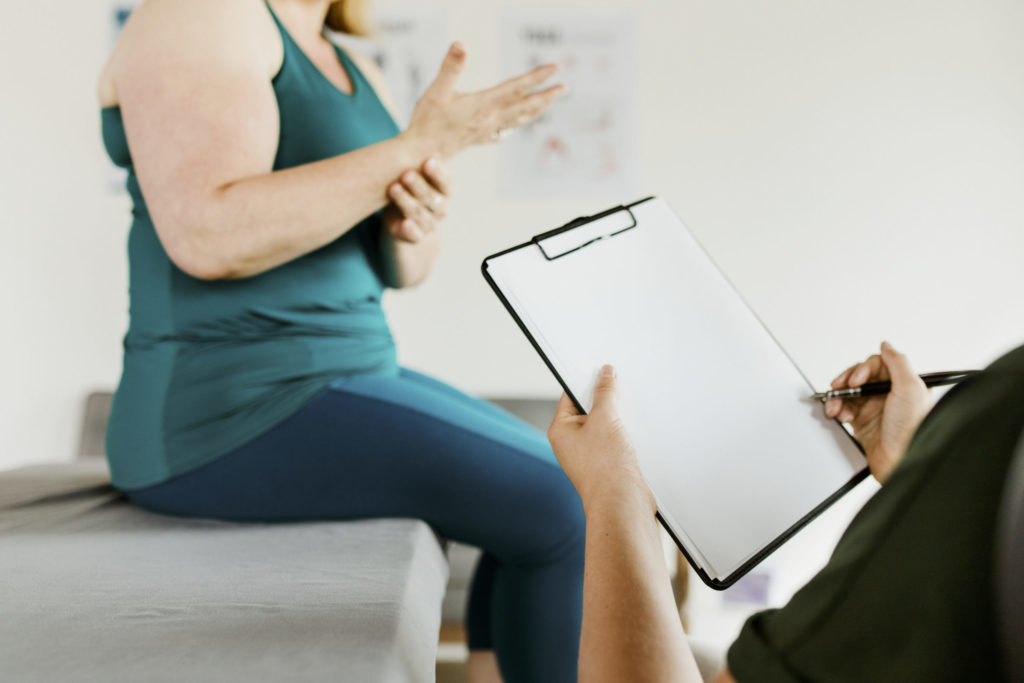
(217,32)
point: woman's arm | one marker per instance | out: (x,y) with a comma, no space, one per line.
(409,241)
(193,79)
(631,629)
(194,85)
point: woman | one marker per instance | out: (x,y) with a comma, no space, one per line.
(274,198)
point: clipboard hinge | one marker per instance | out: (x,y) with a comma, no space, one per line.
(554,246)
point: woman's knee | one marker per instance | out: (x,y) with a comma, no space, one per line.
(563,520)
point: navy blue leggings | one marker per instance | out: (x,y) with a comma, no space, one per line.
(410,446)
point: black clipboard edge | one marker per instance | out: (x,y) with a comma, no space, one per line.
(716,584)
(780,540)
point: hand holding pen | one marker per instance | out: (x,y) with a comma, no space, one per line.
(882,423)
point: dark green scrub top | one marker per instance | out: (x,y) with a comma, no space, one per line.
(209,366)
(908,593)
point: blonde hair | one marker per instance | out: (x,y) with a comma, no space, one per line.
(350,16)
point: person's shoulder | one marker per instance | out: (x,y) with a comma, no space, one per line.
(156,18)
(196,30)
(989,396)
(1010,363)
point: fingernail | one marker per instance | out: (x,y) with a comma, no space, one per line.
(457,50)
(408,176)
(607,371)
(431,165)
(886,346)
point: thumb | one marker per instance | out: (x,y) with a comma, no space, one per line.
(901,373)
(451,68)
(606,392)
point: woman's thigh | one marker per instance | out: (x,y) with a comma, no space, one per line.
(484,407)
(421,392)
(374,446)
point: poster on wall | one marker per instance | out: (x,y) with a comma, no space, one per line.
(586,143)
(409,43)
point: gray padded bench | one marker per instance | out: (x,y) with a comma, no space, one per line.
(462,558)
(94,589)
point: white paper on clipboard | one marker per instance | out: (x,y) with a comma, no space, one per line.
(734,473)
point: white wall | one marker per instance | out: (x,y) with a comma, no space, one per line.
(854,168)
(62,264)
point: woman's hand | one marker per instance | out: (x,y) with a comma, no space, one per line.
(883,424)
(419,201)
(594,450)
(451,121)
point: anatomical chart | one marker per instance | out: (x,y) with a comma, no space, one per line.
(586,143)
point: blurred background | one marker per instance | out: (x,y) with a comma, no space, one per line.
(856,169)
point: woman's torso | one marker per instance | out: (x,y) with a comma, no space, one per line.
(210,365)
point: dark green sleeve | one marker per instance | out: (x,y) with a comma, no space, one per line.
(906,596)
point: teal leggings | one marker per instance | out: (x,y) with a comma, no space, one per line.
(410,446)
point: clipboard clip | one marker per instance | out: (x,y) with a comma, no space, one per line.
(555,244)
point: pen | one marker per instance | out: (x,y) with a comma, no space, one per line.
(931,379)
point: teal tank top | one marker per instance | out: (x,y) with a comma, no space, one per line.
(208,366)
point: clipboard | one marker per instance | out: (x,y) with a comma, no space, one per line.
(734,474)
